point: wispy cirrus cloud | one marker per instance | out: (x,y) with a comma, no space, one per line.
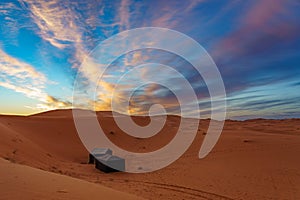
(65,27)
(23,78)
(7,8)
(124,14)
(54,21)
(171,14)
(10,24)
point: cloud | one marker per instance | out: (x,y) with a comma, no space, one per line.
(10,15)
(21,77)
(262,43)
(14,67)
(267,24)
(53,103)
(6,8)
(264,107)
(28,90)
(67,28)
(263,11)
(56,25)
(171,14)
(124,14)
(253,49)
(64,27)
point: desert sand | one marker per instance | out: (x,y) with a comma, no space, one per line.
(42,157)
(23,182)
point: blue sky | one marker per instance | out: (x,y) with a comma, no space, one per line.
(255,44)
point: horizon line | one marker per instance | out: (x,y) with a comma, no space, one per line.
(70,109)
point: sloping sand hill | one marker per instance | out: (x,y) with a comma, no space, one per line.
(23,182)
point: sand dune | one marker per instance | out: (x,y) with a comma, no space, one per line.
(254,159)
(23,182)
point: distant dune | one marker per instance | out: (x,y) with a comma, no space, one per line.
(254,159)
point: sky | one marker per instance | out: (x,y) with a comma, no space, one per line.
(254,43)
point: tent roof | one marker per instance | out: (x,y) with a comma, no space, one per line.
(101,151)
(108,157)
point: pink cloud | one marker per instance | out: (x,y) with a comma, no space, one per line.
(262,12)
(263,25)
